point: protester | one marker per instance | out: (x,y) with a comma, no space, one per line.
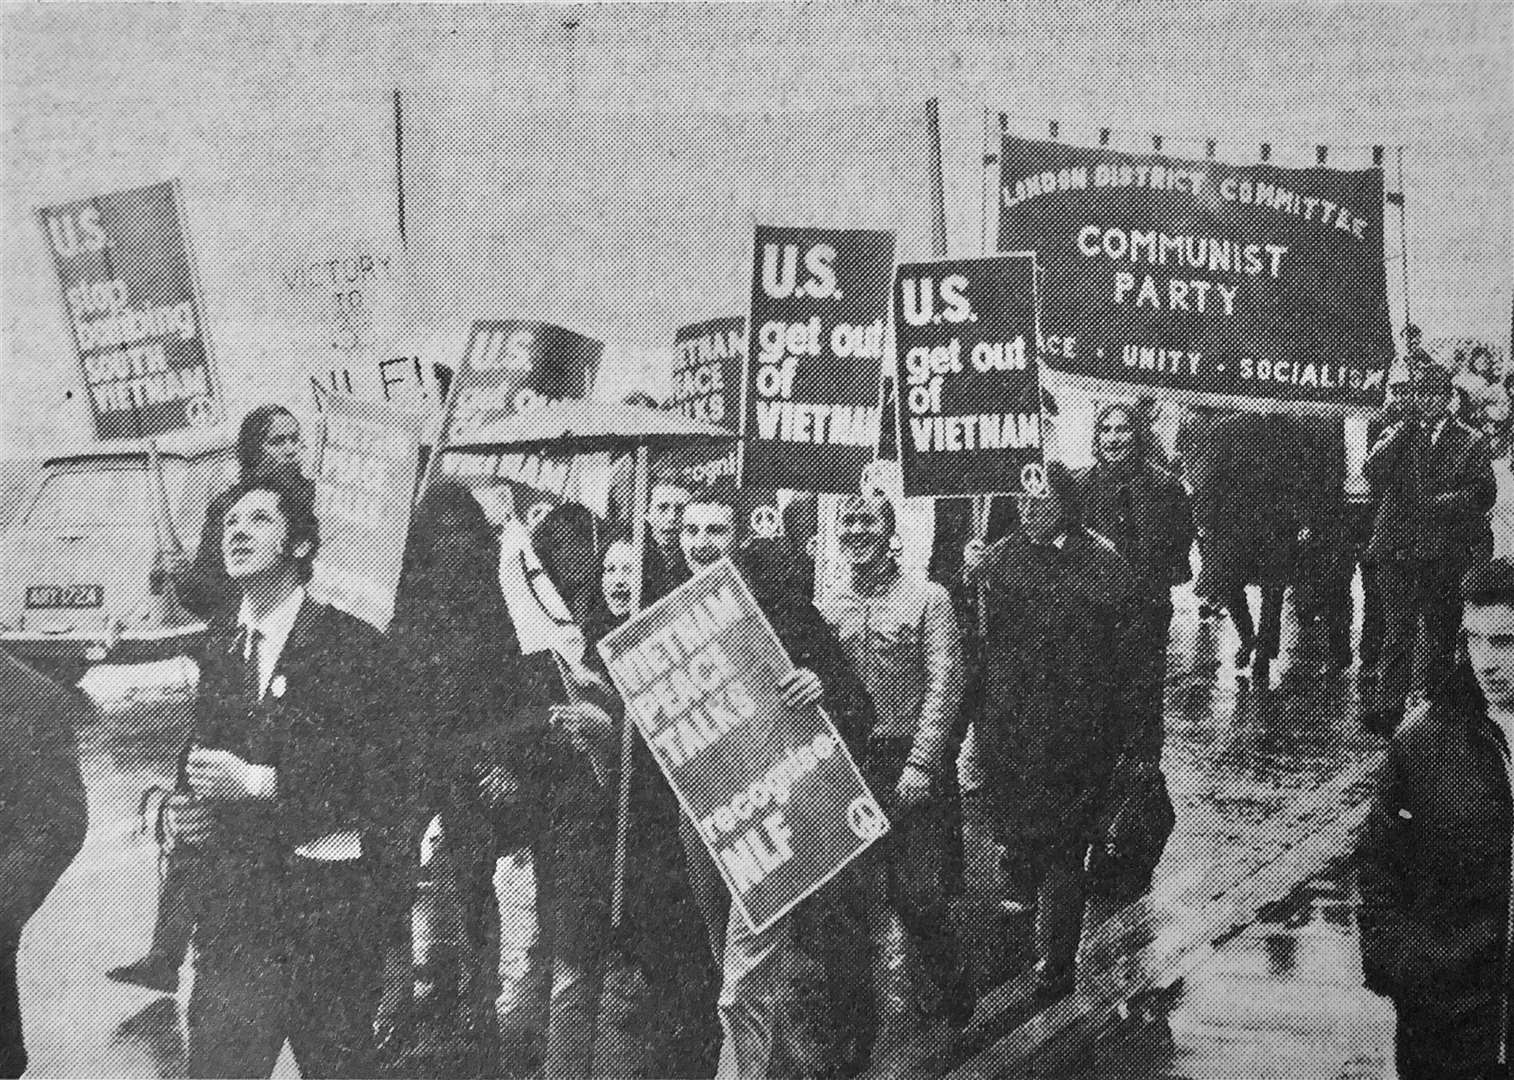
(1437,486)
(481,758)
(1435,858)
(1141,509)
(1327,544)
(293,779)
(268,445)
(902,638)
(666,496)
(656,1014)
(1395,408)
(832,1028)
(566,541)
(43,816)
(1054,717)
(1198,453)
(1247,514)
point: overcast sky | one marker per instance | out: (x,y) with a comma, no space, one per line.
(601,166)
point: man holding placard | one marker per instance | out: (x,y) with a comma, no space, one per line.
(726,679)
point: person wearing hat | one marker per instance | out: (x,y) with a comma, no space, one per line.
(1056,708)
(1436,485)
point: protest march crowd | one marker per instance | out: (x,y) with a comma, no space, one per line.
(740,783)
(345,797)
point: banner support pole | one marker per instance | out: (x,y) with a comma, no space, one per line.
(1403,234)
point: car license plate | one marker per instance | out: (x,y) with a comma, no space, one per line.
(65,596)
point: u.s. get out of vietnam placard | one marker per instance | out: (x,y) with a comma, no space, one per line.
(776,797)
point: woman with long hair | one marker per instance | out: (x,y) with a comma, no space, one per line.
(480,711)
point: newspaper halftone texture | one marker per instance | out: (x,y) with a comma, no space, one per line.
(1237,213)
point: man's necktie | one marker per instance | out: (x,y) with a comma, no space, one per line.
(252,677)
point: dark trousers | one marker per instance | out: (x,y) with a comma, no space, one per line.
(12,1045)
(906,873)
(1412,593)
(1061,890)
(174,924)
(311,972)
(1462,1047)
(1374,622)
(1264,638)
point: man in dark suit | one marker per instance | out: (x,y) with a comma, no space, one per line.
(1435,481)
(291,812)
(43,815)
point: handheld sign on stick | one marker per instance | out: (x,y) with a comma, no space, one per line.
(773,792)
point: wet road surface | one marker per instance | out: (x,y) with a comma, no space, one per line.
(1263,785)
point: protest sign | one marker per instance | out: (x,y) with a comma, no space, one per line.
(708,358)
(968,396)
(509,366)
(347,295)
(365,480)
(1243,286)
(819,310)
(134,311)
(773,792)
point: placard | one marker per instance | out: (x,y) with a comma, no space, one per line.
(134,311)
(968,389)
(774,793)
(815,339)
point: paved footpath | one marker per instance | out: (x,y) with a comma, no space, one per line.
(1269,792)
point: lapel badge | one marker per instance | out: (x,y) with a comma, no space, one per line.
(277,685)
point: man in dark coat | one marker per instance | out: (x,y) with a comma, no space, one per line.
(268,445)
(831,926)
(1146,514)
(1055,713)
(1434,859)
(43,815)
(1437,486)
(1247,513)
(295,784)
(1395,408)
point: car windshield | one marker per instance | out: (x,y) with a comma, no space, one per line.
(98,498)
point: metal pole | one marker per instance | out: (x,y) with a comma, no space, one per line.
(627,738)
(399,164)
(935,178)
(1403,233)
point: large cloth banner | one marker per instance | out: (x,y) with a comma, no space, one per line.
(134,310)
(775,794)
(1247,286)
(365,481)
(815,336)
(968,394)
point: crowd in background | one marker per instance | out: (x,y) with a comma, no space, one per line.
(351,903)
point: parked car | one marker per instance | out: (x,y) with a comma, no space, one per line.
(75,580)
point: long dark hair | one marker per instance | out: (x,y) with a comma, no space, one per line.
(449,580)
(566,540)
(251,434)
